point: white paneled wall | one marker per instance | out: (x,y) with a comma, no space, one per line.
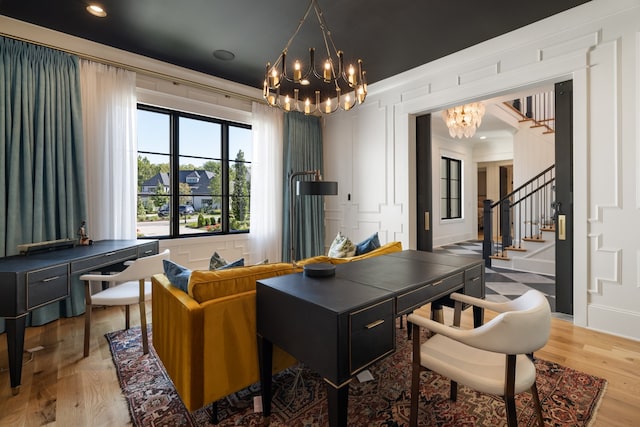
(596,45)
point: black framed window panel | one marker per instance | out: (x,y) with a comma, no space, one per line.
(450,188)
(196,171)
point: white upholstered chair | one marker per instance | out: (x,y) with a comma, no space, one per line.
(495,358)
(130,286)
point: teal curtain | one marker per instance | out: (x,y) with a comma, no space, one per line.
(302,152)
(42,190)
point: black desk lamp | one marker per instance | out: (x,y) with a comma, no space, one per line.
(317,187)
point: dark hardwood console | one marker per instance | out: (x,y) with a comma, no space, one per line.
(31,281)
(341,324)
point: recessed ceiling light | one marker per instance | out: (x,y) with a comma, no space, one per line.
(96,10)
(223,55)
(483,137)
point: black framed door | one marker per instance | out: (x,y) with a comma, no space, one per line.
(564,196)
(424,183)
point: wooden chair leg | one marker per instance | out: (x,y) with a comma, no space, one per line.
(536,400)
(453,391)
(509,390)
(87,329)
(143,317)
(510,403)
(87,317)
(143,326)
(127,317)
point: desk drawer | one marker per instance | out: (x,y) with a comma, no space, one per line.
(473,282)
(147,249)
(103,260)
(372,334)
(411,300)
(47,285)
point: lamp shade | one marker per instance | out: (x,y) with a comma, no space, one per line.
(317,188)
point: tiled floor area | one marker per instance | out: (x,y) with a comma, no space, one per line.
(503,284)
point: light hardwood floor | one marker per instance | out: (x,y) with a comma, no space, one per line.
(61,388)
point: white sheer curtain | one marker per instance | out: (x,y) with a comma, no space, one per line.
(266,183)
(111,167)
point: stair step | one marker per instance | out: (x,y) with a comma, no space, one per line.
(502,257)
(533,239)
(514,248)
(551,229)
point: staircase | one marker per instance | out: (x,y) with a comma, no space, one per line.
(519,229)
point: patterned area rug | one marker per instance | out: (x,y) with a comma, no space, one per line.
(569,397)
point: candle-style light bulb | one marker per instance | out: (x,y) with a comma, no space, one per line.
(297,71)
(327,71)
(351,75)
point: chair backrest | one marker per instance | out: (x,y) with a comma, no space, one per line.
(143,268)
(524,330)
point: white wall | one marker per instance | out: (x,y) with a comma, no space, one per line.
(598,46)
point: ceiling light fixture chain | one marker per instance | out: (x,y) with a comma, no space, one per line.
(278,82)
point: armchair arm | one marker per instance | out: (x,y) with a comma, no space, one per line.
(499,307)
(98,277)
(439,328)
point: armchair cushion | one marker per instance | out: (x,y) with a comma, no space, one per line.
(206,285)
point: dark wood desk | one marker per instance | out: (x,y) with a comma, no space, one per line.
(31,281)
(339,325)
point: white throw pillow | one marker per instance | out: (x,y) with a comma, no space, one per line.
(342,247)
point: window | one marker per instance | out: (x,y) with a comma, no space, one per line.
(194,174)
(450,188)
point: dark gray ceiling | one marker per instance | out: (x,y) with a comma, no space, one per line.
(389,36)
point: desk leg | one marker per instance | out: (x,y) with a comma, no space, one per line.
(15,346)
(265,354)
(338,402)
(478,316)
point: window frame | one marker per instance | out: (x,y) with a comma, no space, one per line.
(174,171)
(448,200)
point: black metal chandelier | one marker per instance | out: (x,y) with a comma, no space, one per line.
(347,86)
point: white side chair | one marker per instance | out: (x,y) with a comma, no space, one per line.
(495,358)
(130,286)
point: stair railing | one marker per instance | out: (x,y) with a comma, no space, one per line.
(519,216)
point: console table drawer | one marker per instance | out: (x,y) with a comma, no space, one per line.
(147,249)
(47,285)
(372,334)
(103,260)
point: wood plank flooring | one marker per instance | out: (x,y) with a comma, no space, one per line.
(61,388)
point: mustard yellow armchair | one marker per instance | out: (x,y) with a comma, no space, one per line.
(206,339)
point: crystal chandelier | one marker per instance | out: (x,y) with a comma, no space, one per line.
(345,87)
(463,120)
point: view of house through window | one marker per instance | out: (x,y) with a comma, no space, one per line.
(194,174)
(450,188)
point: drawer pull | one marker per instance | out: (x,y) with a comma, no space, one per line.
(475,279)
(374,324)
(437,283)
(49,279)
(148,251)
(110,254)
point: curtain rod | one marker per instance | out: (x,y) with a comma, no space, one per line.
(141,70)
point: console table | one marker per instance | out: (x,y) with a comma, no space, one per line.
(341,324)
(31,281)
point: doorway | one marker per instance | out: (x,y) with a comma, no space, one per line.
(564,188)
